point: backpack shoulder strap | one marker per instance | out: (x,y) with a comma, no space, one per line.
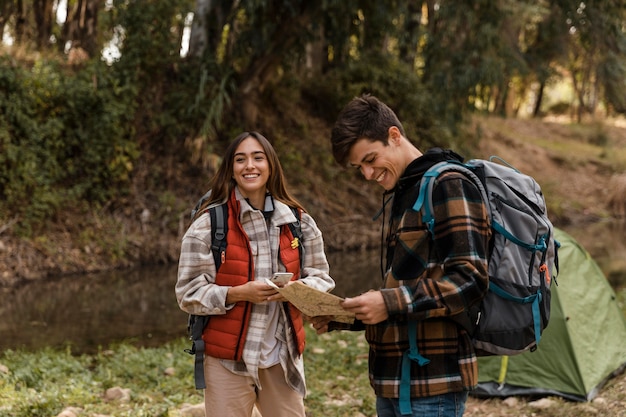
(196,324)
(199,204)
(296,231)
(424,200)
(219,228)
(296,227)
(195,327)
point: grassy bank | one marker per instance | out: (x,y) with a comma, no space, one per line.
(160,383)
(160,380)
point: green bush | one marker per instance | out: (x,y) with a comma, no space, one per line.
(64,137)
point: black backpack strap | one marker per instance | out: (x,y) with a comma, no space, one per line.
(196,324)
(195,327)
(199,204)
(219,228)
(296,231)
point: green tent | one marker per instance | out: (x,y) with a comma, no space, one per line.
(583,346)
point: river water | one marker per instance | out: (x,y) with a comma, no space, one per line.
(91,311)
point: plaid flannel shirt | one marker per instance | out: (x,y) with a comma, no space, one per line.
(430,281)
(197,292)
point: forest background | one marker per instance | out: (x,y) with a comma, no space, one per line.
(114,114)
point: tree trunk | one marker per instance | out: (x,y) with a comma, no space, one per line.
(198,38)
(316,58)
(43,22)
(6,12)
(20,22)
(262,69)
(408,46)
(81,26)
(537,108)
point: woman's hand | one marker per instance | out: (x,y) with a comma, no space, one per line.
(278,296)
(254,292)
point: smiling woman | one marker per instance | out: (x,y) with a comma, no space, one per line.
(252,335)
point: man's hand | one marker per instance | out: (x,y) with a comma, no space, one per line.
(370,307)
(320,323)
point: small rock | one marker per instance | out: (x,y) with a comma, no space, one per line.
(169,371)
(70,412)
(189,410)
(117,394)
(599,400)
(588,409)
(511,402)
(145,216)
(4,369)
(542,404)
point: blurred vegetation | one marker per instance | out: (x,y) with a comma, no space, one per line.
(103,99)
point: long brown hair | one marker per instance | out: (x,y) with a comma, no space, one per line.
(222,184)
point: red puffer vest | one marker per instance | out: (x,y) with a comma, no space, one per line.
(225,335)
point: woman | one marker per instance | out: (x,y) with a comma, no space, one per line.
(254,340)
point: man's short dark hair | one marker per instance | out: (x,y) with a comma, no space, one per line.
(364,117)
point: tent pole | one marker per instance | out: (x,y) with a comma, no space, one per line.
(504,364)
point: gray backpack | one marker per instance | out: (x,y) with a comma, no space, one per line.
(522,256)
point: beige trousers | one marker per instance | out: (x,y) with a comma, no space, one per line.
(231,395)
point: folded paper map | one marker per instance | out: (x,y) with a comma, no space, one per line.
(313,302)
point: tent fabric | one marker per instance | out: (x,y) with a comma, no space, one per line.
(583,345)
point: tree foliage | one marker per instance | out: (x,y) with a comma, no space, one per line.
(85,95)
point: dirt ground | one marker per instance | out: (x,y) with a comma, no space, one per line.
(611,402)
(573,165)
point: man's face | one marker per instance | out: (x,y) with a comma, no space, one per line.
(377,161)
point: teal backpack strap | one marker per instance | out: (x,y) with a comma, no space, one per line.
(424,201)
(541,246)
(405,378)
(533,299)
(426,188)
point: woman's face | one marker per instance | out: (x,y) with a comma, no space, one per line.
(251,169)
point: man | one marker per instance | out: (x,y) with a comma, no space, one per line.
(413,322)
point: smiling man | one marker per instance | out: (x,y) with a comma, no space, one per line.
(428,280)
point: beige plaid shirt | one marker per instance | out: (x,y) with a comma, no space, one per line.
(198,294)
